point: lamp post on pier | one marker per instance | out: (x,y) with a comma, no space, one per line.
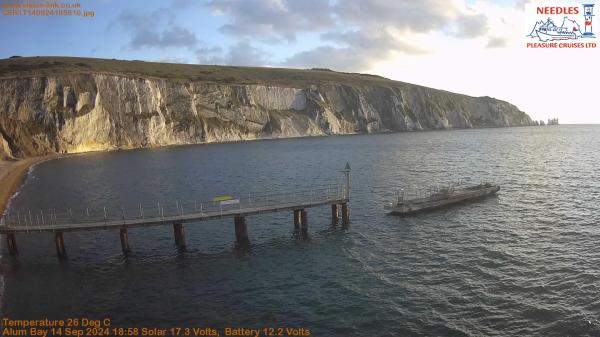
(346,172)
(346,197)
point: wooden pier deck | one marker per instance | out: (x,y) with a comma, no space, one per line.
(48,225)
(177,214)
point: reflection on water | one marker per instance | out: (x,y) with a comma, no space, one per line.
(524,262)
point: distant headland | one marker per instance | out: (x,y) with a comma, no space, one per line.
(64,105)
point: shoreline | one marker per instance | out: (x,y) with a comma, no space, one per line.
(14,172)
(13,175)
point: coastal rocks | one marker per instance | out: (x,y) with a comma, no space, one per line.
(94,111)
(5,151)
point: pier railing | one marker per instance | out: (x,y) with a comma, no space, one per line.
(35,220)
(419,192)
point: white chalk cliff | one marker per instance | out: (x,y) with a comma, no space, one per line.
(84,111)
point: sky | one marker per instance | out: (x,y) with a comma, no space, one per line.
(471,47)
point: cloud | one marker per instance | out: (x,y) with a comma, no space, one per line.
(420,16)
(173,36)
(329,57)
(273,20)
(210,55)
(415,16)
(287,18)
(521,4)
(148,31)
(243,53)
(470,25)
(379,40)
(169,59)
(355,33)
(354,50)
(496,42)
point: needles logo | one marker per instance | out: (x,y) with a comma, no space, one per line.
(567,26)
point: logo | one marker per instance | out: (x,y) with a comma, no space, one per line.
(568,26)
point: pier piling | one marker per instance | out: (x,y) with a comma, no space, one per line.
(179,235)
(124,240)
(303,221)
(298,200)
(334,214)
(241,230)
(345,214)
(297,219)
(11,243)
(60,245)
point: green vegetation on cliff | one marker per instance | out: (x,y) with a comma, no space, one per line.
(63,104)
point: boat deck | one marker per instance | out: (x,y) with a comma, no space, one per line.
(441,198)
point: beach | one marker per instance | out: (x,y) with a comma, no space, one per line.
(12,175)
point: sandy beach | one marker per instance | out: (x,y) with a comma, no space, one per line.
(12,175)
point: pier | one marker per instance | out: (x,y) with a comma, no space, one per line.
(178,214)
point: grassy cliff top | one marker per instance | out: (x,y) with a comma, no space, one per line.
(44,66)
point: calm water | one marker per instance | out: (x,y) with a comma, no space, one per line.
(526,262)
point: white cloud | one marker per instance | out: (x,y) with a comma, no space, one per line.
(544,83)
(157,28)
(271,20)
(245,54)
(355,33)
(476,48)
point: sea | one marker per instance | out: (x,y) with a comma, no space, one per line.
(525,262)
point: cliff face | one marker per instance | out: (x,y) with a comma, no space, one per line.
(76,112)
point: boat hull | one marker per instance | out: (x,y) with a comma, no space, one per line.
(425,204)
(555,37)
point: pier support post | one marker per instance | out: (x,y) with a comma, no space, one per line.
(179,235)
(124,240)
(60,245)
(303,221)
(345,214)
(334,214)
(241,230)
(11,243)
(297,219)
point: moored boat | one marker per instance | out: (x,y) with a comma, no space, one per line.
(442,197)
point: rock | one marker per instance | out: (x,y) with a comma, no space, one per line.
(5,151)
(96,111)
(85,103)
(68,97)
